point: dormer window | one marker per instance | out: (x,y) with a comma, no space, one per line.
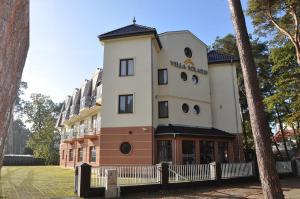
(126,67)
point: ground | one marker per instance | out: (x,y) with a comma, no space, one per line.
(35,182)
(291,188)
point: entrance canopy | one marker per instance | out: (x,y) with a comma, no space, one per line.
(192,131)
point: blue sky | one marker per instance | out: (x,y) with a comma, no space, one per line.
(64,49)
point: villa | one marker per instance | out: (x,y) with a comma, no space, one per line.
(159,98)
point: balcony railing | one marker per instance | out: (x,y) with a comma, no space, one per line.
(99,92)
(82,130)
(65,115)
(85,102)
(74,110)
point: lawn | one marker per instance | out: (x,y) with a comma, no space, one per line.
(32,182)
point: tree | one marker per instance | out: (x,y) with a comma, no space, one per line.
(42,114)
(19,133)
(277,17)
(14,44)
(268,175)
(286,96)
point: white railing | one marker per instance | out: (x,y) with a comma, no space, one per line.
(127,175)
(191,172)
(82,129)
(99,92)
(284,167)
(236,170)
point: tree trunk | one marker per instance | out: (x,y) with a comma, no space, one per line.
(14,44)
(298,52)
(282,131)
(244,131)
(279,152)
(268,175)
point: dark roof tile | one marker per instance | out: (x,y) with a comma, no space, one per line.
(129,31)
(195,131)
(218,57)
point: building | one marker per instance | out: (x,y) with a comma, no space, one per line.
(159,97)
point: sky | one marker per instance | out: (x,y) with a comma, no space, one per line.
(64,48)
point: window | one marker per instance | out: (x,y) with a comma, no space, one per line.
(185,108)
(207,152)
(188,152)
(164,151)
(183,76)
(188,52)
(126,67)
(80,154)
(195,79)
(196,109)
(92,154)
(70,154)
(162,76)
(63,154)
(125,148)
(125,103)
(163,109)
(223,152)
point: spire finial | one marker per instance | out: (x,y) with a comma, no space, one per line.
(133,20)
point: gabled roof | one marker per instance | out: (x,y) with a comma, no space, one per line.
(215,57)
(130,31)
(192,131)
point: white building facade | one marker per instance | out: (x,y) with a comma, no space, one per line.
(161,97)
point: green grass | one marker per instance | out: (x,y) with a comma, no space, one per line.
(32,182)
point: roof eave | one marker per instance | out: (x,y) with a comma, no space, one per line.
(103,37)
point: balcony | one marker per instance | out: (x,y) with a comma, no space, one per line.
(74,110)
(85,102)
(69,136)
(86,132)
(65,116)
(99,95)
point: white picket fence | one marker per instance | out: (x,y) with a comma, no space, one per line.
(284,167)
(193,172)
(236,170)
(138,175)
(127,175)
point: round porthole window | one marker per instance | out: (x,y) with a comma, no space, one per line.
(183,76)
(188,52)
(125,147)
(195,79)
(196,109)
(185,108)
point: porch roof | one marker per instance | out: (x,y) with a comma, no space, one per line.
(192,131)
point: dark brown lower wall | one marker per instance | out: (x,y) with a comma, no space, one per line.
(85,144)
(238,147)
(140,139)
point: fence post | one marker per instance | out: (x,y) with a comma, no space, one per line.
(164,173)
(111,183)
(294,167)
(215,172)
(76,180)
(84,180)
(255,171)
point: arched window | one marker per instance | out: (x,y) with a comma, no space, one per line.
(185,108)
(196,109)
(195,79)
(125,148)
(183,76)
